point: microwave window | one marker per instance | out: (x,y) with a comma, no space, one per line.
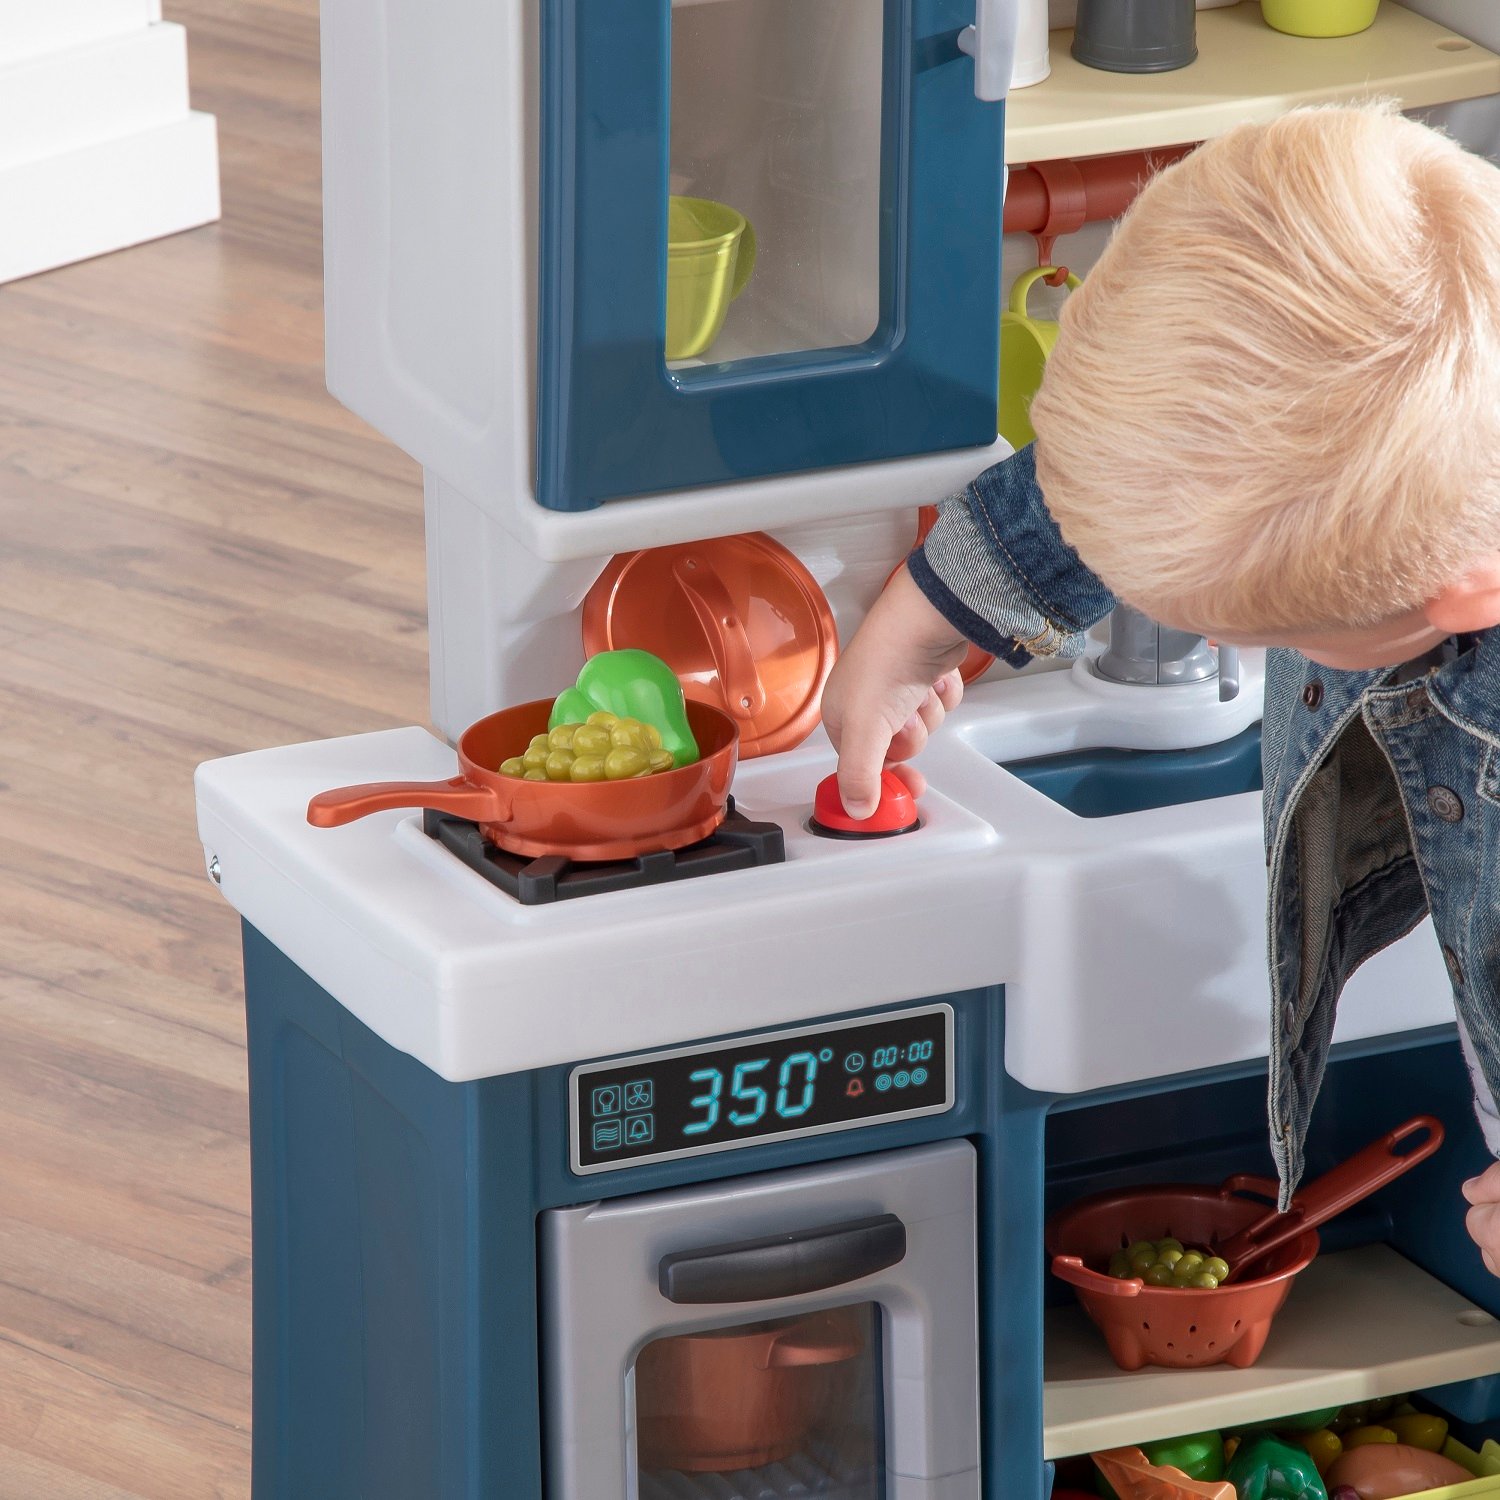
(773,218)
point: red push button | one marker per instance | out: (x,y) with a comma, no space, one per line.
(897,812)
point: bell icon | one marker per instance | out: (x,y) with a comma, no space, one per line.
(855,1088)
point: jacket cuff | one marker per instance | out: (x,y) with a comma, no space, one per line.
(997,568)
(973,627)
(1484,1102)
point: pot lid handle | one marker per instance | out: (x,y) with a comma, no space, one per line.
(744,693)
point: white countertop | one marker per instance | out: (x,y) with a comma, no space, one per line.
(445,966)
(1000,885)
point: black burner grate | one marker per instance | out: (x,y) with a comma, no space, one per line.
(738,844)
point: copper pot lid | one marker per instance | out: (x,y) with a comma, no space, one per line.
(740,620)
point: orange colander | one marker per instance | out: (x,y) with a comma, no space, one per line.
(1188,1327)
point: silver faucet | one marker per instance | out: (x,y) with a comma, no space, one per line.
(1146,654)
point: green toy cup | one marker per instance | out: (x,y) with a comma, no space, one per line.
(1025,343)
(1319,17)
(710,255)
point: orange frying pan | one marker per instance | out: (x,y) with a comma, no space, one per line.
(585,820)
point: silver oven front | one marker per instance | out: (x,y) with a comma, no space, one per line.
(805,1331)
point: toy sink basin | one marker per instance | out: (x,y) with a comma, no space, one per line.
(1139,943)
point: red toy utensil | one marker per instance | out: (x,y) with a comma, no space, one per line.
(1350,1182)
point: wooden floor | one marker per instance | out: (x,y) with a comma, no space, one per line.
(200,553)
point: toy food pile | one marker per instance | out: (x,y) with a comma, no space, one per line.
(602,748)
(1168,1263)
(625,718)
(1377,1450)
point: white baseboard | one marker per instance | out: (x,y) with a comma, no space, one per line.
(28,27)
(105,197)
(64,101)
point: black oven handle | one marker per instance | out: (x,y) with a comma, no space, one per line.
(784,1265)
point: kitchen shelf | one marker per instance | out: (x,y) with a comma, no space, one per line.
(1245,72)
(1358,1325)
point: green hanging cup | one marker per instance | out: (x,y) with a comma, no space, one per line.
(1025,343)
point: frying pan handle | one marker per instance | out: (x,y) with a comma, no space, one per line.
(457,796)
(1350,1182)
(744,693)
(1071,1269)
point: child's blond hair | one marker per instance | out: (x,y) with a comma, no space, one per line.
(1275,402)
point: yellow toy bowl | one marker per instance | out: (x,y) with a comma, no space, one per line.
(1319,17)
(1025,343)
(1483,1465)
(710,255)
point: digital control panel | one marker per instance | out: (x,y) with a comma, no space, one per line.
(782,1085)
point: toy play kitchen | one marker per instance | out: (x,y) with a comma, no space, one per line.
(628,1123)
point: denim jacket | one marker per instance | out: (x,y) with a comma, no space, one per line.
(1382,789)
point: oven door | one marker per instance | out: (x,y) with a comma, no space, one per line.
(808,1331)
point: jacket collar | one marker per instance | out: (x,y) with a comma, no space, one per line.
(1467,689)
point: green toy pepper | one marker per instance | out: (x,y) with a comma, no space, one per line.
(1199,1456)
(1265,1468)
(634,685)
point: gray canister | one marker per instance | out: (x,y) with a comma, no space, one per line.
(1136,36)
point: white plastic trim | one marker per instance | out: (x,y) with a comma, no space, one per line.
(1132,947)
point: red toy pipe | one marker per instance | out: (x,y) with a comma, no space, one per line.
(1053,198)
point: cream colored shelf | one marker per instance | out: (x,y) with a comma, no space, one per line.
(1244,72)
(1360,1324)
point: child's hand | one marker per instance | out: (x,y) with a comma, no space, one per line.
(1483,1222)
(889,690)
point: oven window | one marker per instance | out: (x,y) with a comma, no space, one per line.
(792,1406)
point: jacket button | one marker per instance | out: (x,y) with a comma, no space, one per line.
(1454,967)
(1289,1018)
(1312,694)
(1446,803)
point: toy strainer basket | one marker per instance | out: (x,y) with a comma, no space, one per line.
(1189,1327)
(1180,1328)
